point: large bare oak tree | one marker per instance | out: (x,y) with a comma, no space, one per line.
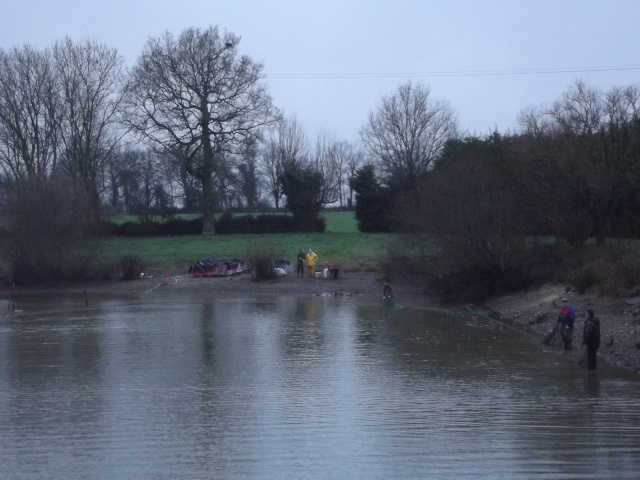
(195,95)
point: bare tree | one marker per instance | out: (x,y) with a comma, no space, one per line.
(196,95)
(150,192)
(91,80)
(248,185)
(271,171)
(286,146)
(188,187)
(355,160)
(347,159)
(407,132)
(140,183)
(30,114)
(325,159)
(579,112)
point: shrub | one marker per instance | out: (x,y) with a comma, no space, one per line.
(47,224)
(132,267)
(457,274)
(179,226)
(104,229)
(92,270)
(408,256)
(262,262)
(626,269)
(226,224)
(134,229)
(609,269)
(582,279)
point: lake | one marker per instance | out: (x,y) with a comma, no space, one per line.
(164,386)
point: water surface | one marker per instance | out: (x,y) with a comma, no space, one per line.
(164,386)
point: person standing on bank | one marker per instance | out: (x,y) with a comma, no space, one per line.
(300,263)
(591,338)
(312,258)
(566,319)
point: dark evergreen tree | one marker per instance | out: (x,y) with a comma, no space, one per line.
(373,201)
(302,185)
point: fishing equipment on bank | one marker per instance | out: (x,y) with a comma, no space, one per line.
(166,280)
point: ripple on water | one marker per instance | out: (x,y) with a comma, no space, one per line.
(300,388)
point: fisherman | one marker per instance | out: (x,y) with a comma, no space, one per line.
(311,258)
(387,293)
(565,323)
(300,263)
(591,338)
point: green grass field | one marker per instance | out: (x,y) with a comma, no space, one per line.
(341,243)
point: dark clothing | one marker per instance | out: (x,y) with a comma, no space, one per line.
(565,319)
(591,333)
(566,331)
(300,264)
(592,358)
(591,340)
(300,268)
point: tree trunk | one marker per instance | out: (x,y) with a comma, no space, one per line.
(208,206)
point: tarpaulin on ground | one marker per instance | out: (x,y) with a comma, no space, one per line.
(211,267)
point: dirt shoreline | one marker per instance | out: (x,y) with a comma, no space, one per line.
(538,309)
(535,309)
(347,283)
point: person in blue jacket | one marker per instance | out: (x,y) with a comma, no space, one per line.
(566,319)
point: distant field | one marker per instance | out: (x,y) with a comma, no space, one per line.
(340,243)
(340,222)
(355,251)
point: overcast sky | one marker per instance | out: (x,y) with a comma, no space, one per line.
(330,63)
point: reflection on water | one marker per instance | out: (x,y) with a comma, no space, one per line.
(297,387)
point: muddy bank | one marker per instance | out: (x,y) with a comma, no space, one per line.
(347,283)
(538,309)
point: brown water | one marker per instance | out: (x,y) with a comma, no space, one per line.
(164,387)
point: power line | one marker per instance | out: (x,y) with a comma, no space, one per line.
(463,73)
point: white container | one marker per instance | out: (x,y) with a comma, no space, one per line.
(318,274)
(325,273)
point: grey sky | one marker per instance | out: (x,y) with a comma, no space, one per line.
(329,63)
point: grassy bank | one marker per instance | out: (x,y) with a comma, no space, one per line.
(340,243)
(356,251)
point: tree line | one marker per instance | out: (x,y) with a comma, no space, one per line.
(498,210)
(192,127)
(572,172)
